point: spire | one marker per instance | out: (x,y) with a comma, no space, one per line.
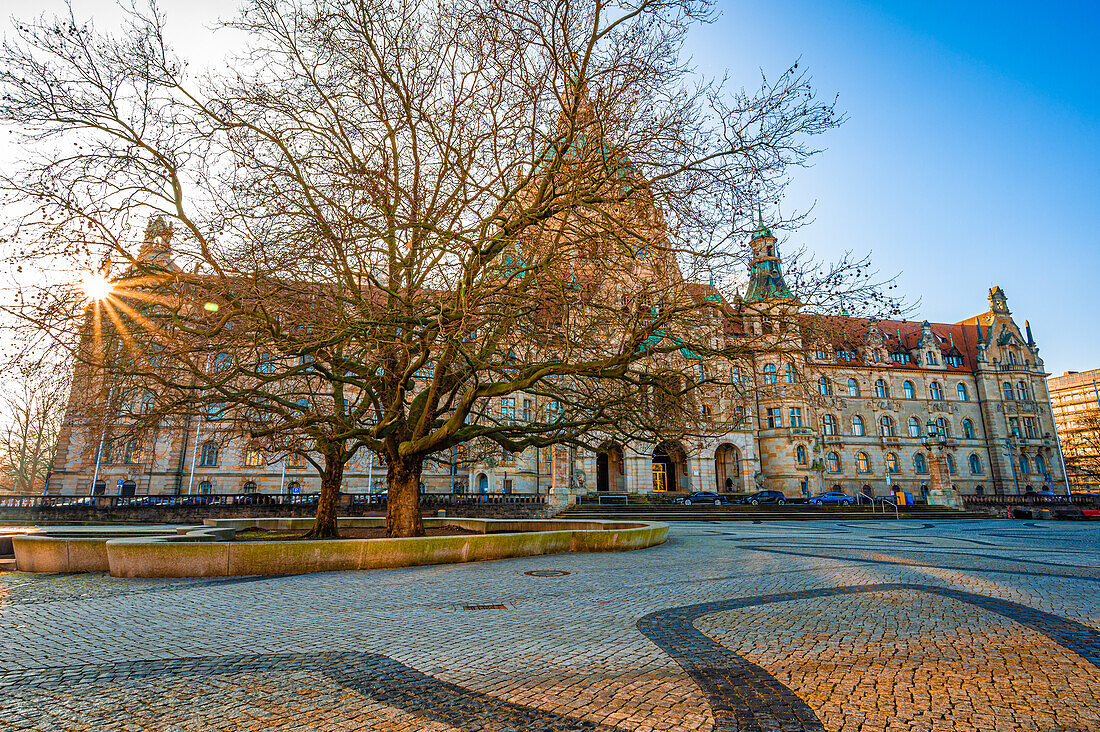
(765,274)
(156,247)
(762,231)
(1030,339)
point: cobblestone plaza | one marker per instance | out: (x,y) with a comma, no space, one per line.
(901,625)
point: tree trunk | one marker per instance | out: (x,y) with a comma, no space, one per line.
(331,478)
(403,498)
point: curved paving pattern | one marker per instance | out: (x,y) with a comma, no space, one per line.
(392,650)
(744,696)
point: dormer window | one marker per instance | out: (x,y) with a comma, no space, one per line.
(953,360)
(932,358)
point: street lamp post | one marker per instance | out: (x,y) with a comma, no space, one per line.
(1010,447)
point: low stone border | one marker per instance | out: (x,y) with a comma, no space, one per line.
(205,552)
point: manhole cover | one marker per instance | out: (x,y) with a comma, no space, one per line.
(547,573)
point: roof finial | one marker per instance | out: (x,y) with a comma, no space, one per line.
(1027,327)
(979,324)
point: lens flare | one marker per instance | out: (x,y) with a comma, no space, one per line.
(96,287)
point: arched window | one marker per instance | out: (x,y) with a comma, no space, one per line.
(1021,391)
(253,458)
(857,425)
(979,490)
(832,462)
(920,464)
(1040,465)
(975,465)
(828,424)
(942,426)
(950,464)
(1025,465)
(910,392)
(800,454)
(891,462)
(968,429)
(853,388)
(208,457)
(1006,389)
(790,373)
(961,390)
(133,452)
(914,427)
(824,387)
(249,486)
(770,374)
(935,391)
(296,487)
(881,390)
(886,424)
(863,463)
(206,487)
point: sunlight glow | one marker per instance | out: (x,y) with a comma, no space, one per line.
(96,287)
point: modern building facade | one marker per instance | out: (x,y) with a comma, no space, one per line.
(1075,399)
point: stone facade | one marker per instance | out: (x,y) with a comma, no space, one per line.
(820,404)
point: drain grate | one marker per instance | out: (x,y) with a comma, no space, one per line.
(547,573)
(492,606)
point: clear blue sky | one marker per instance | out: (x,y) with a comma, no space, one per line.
(972,152)
(971,156)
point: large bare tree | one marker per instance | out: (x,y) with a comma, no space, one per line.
(390,215)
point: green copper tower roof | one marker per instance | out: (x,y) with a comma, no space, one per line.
(766,281)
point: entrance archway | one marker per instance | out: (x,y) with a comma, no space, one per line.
(727,468)
(609,468)
(669,460)
(482,483)
(129,488)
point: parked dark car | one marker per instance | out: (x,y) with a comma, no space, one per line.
(765,497)
(699,497)
(832,498)
(248,498)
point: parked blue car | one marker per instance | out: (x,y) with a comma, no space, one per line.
(832,498)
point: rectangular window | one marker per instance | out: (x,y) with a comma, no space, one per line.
(796,416)
(508,407)
(1029,427)
(775,418)
(426,372)
(1014,426)
(706,413)
(526,410)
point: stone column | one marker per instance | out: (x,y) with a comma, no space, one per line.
(941,491)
